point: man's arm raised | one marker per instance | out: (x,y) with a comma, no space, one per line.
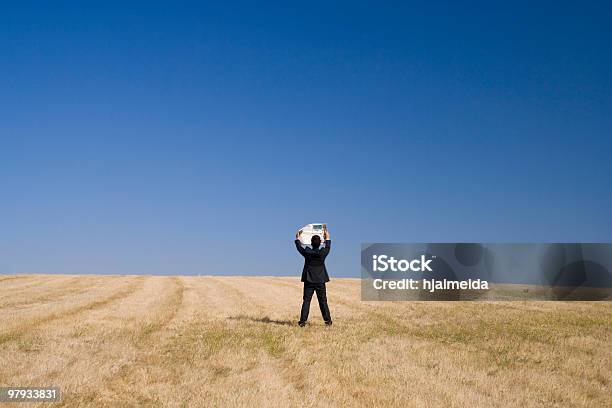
(327,239)
(298,244)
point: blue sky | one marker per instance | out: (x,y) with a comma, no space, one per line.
(182,138)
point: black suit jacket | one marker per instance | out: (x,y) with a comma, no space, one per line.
(314,262)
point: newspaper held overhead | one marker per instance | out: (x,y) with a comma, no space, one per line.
(309,230)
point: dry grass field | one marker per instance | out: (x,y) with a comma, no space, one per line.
(233,341)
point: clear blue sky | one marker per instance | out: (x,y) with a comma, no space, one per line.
(157,137)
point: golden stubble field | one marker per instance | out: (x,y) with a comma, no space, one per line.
(233,341)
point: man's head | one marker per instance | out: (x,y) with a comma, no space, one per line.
(315,241)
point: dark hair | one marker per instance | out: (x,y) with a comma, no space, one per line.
(315,241)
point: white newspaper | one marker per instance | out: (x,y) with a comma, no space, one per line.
(310,230)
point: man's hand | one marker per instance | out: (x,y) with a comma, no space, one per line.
(326,232)
(298,234)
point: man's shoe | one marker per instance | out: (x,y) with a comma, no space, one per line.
(328,322)
(301,324)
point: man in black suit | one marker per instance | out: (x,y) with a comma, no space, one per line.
(314,274)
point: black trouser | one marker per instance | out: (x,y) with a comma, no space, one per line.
(309,289)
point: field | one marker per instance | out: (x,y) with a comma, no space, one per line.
(234,341)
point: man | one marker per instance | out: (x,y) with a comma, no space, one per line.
(314,274)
